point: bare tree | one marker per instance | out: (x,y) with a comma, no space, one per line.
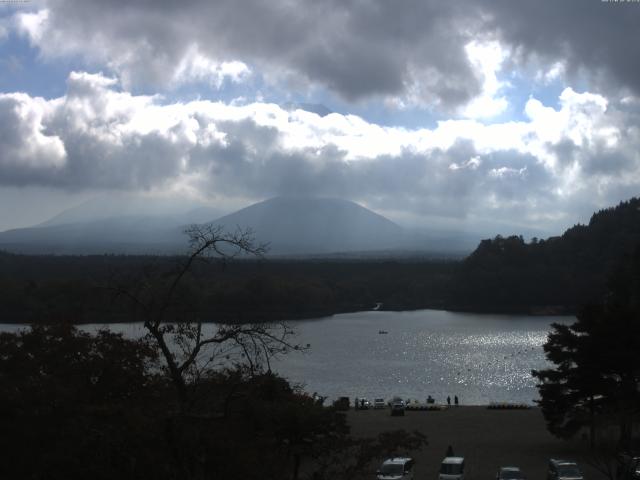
(187,346)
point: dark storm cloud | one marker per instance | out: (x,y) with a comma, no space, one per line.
(357,49)
(600,37)
(411,50)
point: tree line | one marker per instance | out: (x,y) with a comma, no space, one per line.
(77,289)
(556,275)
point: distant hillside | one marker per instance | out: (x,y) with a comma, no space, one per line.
(291,225)
(554,275)
(115,223)
(126,234)
(304,225)
(171,210)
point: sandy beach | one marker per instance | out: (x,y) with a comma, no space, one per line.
(486,438)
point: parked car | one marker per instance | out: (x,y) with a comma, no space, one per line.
(510,473)
(452,468)
(379,403)
(396,468)
(563,470)
(397,406)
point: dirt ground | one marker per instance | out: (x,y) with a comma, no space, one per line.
(488,439)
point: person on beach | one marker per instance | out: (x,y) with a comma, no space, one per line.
(448,400)
(455,400)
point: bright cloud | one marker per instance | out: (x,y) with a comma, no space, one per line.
(99,136)
(487,59)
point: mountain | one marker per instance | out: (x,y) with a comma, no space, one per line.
(297,226)
(126,234)
(112,224)
(557,274)
(306,225)
(172,208)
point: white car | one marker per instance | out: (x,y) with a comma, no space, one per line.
(563,470)
(452,468)
(510,473)
(396,468)
(379,403)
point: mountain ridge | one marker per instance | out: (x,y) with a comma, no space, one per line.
(292,225)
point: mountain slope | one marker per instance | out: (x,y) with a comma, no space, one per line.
(299,225)
(292,225)
(124,223)
(173,209)
(125,234)
(507,273)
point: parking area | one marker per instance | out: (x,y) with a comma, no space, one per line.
(488,439)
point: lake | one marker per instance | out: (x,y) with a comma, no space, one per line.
(479,358)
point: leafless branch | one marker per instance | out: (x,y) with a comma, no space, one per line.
(154,295)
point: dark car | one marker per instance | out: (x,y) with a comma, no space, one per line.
(397,406)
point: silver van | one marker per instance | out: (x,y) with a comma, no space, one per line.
(396,468)
(563,470)
(452,468)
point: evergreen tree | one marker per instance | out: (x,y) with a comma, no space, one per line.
(597,366)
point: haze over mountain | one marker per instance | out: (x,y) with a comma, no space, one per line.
(170,209)
(290,225)
(113,224)
(316,225)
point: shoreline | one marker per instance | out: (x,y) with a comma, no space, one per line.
(320,314)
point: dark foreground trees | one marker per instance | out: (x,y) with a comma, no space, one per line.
(188,401)
(72,403)
(597,364)
(79,406)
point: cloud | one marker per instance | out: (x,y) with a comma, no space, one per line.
(487,59)
(26,148)
(99,136)
(427,53)
(414,54)
(598,40)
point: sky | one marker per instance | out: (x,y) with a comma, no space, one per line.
(488,115)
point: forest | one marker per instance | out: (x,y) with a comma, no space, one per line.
(504,274)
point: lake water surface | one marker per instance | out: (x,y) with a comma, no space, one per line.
(479,358)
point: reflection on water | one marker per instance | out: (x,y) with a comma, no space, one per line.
(479,358)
